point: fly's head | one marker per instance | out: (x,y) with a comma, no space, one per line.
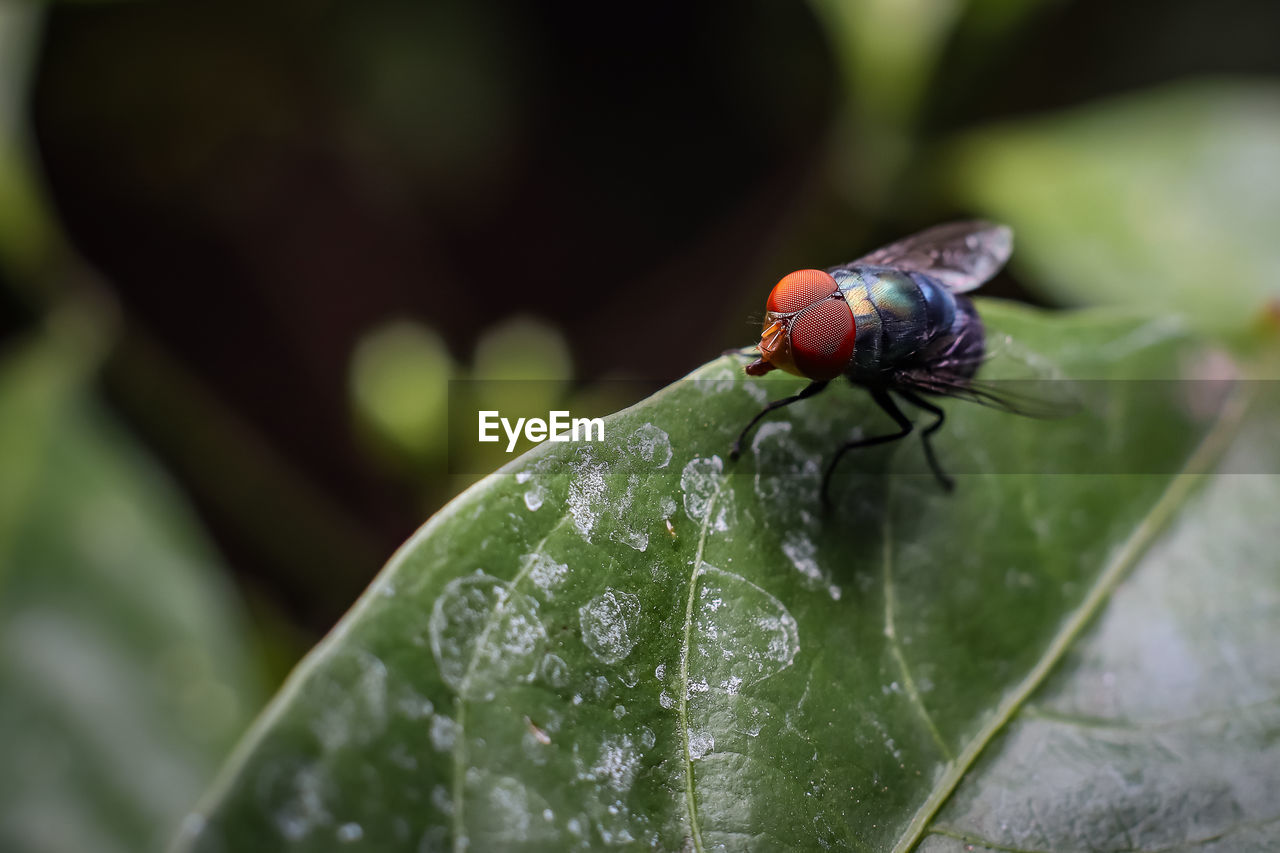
(808,328)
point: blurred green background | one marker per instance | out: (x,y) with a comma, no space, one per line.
(244,247)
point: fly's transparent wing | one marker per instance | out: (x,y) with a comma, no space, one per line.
(1033,398)
(961,255)
(1014,379)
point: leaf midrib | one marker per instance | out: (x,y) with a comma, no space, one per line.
(695,831)
(1160,513)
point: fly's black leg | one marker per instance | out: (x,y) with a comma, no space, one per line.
(939,416)
(885,402)
(808,391)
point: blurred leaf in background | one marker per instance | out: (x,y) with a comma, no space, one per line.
(887,53)
(24,226)
(1167,200)
(888,49)
(125,671)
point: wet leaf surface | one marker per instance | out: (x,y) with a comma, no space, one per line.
(635,643)
(1161,729)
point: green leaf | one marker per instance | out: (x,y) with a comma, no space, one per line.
(123,678)
(1159,730)
(1168,199)
(636,644)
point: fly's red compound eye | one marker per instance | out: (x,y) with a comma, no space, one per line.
(800,289)
(822,339)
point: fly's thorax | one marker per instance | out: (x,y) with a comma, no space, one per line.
(896,314)
(868,340)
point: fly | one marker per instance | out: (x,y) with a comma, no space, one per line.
(895,322)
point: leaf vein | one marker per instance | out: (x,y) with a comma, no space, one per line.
(695,831)
(464,687)
(1164,508)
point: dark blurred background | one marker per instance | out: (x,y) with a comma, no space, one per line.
(261,185)
(284,226)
